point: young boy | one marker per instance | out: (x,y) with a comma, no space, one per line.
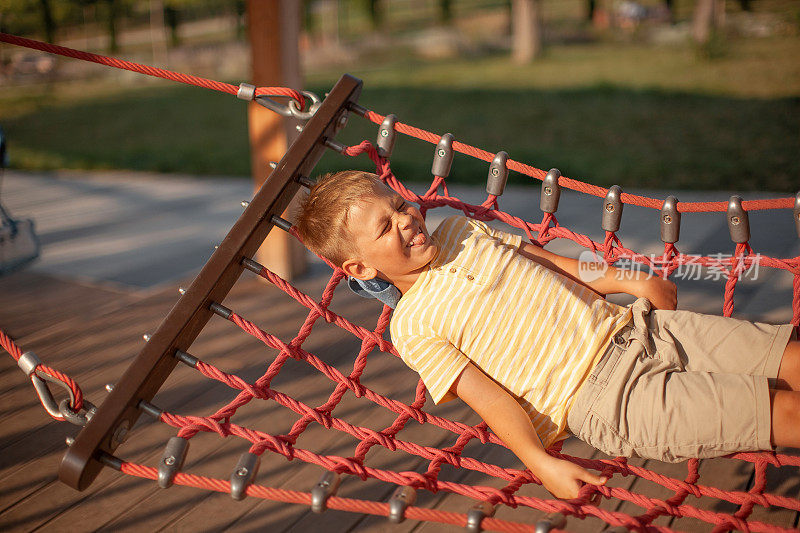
(513,331)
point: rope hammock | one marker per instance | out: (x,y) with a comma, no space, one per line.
(94,447)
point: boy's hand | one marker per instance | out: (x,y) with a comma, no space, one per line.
(662,293)
(563,479)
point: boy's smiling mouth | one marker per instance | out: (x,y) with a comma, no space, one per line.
(417,240)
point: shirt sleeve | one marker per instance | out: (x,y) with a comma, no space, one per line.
(505,237)
(436,361)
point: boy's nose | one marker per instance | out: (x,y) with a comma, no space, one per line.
(406,220)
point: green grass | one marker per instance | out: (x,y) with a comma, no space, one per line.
(604,113)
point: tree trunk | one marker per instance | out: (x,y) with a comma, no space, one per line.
(375,10)
(445,11)
(172,19)
(111,25)
(707,14)
(670,5)
(526,23)
(48,23)
(157,33)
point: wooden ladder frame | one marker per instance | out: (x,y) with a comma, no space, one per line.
(145,375)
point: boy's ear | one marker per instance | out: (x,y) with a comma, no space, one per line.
(357,269)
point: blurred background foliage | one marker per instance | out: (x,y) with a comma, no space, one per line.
(644,94)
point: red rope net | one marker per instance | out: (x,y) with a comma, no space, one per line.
(220,422)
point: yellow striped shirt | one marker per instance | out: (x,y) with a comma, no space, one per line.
(534,331)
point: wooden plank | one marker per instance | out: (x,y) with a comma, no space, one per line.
(41,301)
(77,348)
(272,311)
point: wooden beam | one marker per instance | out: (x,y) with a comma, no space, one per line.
(119,412)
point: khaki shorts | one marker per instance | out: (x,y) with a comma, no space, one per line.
(677,384)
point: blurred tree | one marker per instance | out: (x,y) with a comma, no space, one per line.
(375,11)
(240,8)
(308,16)
(670,5)
(172,19)
(708,14)
(445,11)
(48,22)
(111,13)
(526,29)
(157,31)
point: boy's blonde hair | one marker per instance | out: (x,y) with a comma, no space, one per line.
(322,215)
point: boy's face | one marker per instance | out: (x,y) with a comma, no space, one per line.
(391,238)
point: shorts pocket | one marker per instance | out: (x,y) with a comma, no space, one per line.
(603,435)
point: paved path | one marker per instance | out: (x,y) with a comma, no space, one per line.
(134,231)
(139,231)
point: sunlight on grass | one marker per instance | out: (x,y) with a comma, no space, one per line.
(755,68)
(604,112)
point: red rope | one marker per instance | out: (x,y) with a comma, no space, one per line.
(148,70)
(633,199)
(334,502)
(11,347)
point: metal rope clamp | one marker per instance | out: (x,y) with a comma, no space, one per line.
(476,514)
(403,497)
(28,363)
(498,174)
(551,521)
(172,461)
(247,92)
(243,474)
(670,220)
(612,209)
(551,191)
(386,136)
(324,489)
(738,222)
(443,157)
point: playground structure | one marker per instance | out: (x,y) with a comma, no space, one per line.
(170,345)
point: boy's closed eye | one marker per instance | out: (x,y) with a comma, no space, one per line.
(401,207)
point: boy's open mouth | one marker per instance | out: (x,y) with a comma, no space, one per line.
(417,240)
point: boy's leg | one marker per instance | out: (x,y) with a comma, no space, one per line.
(785,418)
(789,372)
(673,416)
(641,405)
(699,342)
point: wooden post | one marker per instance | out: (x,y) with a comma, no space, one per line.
(526,27)
(273,31)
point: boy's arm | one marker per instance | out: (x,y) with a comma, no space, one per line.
(662,293)
(511,423)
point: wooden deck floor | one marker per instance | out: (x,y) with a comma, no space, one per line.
(92,332)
